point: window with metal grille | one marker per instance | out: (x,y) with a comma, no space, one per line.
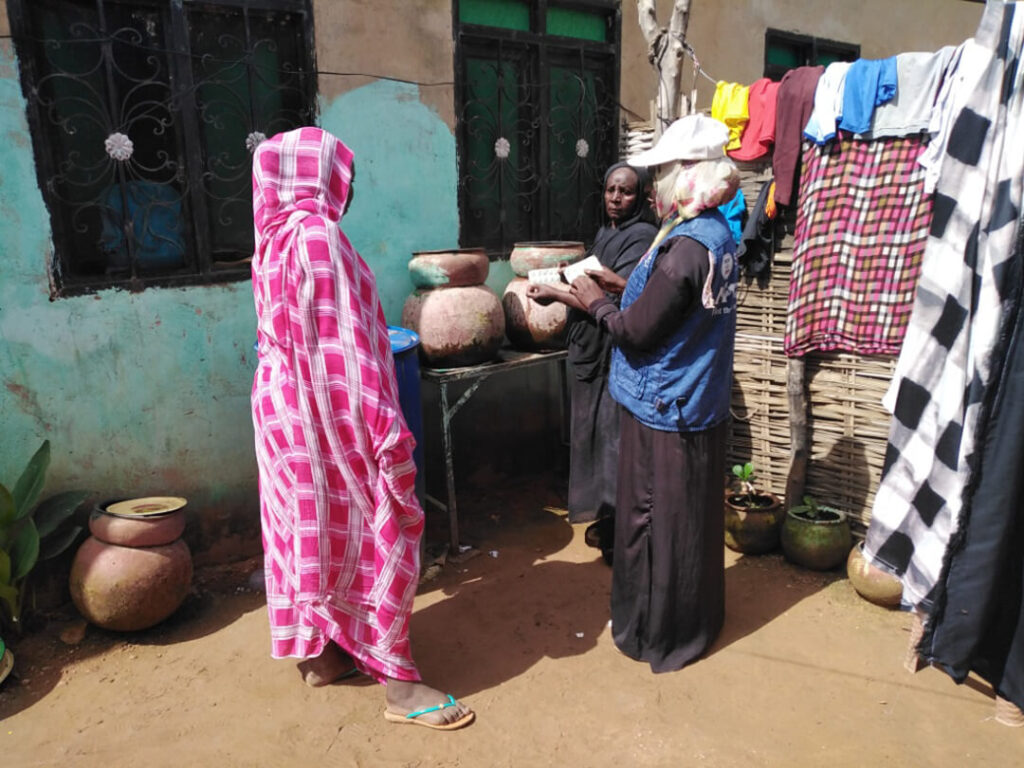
(144,115)
(784,51)
(537,85)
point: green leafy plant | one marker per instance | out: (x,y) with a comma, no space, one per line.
(744,483)
(30,532)
(812,510)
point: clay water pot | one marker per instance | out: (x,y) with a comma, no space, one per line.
(872,583)
(544,254)
(753,530)
(529,324)
(451,268)
(820,544)
(133,572)
(457,326)
(129,588)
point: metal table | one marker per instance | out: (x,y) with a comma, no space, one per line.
(507,360)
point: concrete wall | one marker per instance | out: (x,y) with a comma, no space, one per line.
(728,35)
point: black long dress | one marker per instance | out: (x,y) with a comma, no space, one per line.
(668,574)
(594,423)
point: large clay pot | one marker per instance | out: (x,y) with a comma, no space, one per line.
(544,254)
(871,582)
(133,572)
(449,269)
(529,324)
(753,530)
(457,326)
(129,588)
(820,544)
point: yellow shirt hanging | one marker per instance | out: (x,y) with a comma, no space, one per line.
(730,106)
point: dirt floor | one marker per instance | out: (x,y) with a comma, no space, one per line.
(805,673)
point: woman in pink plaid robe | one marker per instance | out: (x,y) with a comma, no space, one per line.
(341,523)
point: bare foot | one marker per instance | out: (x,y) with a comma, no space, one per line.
(404,697)
(329,666)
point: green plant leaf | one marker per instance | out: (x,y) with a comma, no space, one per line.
(30,484)
(748,469)
(5,568)
(6,507)
(9,595)
(55,510)
(24,551)
(52,546)
(737,470)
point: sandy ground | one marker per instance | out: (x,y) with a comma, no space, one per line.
(805,673)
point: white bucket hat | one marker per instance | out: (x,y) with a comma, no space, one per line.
(694,137)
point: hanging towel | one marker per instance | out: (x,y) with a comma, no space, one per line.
(918,76)
(944,373)
(759,135)
(828,103)
(795,102)
(730,106)
(869,82)
(860,233)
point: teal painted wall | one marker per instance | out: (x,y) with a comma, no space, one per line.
(148,393)
(405,189)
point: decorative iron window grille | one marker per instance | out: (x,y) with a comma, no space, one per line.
(537,85)
(144,115)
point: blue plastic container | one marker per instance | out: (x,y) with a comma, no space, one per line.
(407,371)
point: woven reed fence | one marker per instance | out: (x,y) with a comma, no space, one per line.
(847,424)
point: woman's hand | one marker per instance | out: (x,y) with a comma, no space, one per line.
(608,280)
(545,293)
(586,290)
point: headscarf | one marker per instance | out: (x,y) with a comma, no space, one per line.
(640,204)
(296,174)
(690,188)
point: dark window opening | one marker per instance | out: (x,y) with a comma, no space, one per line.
(784,51)
(537,101)
(144,115)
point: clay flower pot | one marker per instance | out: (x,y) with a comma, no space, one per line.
(752,530)
(872,583)
(820,543)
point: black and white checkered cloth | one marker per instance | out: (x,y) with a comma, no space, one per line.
(944,368)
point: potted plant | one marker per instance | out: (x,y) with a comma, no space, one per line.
(752,516)
(30,532)
(816,536)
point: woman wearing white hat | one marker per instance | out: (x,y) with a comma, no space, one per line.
(671,371)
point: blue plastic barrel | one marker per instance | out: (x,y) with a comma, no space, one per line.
(407,371)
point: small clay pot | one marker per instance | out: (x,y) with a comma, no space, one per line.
(872,583)
(820,544)
(529,324)
(450,268)
(129,588)
(139,531)
(753,530)
(544,254)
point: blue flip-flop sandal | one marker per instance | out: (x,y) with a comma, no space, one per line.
(412,717)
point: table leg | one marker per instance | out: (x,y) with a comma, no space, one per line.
(449,473)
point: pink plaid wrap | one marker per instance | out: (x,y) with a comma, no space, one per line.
(341,523)
(861,230)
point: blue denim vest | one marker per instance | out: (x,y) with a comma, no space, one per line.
(684,385)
